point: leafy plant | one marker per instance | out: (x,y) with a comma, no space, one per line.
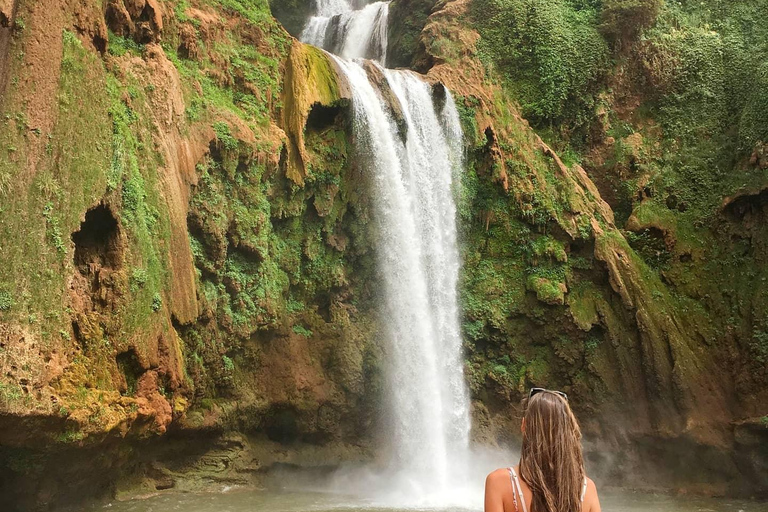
(224,136)
(6,300)
(228,364)
(157,302)
(302,331)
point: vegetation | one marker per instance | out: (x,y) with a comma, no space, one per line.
(550,54)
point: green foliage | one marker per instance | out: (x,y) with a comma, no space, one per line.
(759,345)
(157,302)
(54,229)
(705,63)
(254,72)
(180,11)
(6,300)
(139,278)
(19,25)
(302,331)
(651,246)
(10,393)
(224,136)
(132,173)
(406,21)
(71,435)
(551,54)
(119,46)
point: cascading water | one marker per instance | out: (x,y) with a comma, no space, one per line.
(419,262)
(347,32)
(413,156)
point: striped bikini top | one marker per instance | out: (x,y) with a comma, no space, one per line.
(518,491)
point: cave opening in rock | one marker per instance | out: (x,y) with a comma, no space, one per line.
(748,209)
(322,117)
(131,370)
(98,240)
(281,424)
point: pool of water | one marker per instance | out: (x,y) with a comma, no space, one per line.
(237,500)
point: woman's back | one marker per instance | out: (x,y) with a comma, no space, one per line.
(550,477)
(501,494)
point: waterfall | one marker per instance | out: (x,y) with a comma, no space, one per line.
(347,32)
(419,262)
(409,141)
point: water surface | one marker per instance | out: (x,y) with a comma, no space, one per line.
(269,501)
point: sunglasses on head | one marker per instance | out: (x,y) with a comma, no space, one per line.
(535,391)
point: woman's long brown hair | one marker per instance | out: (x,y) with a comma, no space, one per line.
(552,463)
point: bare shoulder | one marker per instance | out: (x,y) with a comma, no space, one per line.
(591,500)
(497,476)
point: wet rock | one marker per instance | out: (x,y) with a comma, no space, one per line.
(395,109)
(310,79)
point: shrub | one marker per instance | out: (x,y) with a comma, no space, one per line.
(551,54)
(6,300)
(157,302)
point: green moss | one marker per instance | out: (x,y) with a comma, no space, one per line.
(548,247)
(37,214)
(624,20)
(753,125)
(6,300)
(546,290)
(583,302)
(133,174)
(253,74)
(10,394)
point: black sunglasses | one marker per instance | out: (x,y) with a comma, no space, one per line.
(536,391)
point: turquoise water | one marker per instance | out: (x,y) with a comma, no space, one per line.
(269,501)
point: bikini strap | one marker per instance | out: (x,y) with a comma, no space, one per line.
(584,490)
(516,487)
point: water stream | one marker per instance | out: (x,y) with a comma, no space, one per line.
(409,141)
(347,32)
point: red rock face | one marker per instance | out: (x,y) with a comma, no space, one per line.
(141,20)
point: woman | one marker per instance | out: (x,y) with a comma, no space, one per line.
(550,477)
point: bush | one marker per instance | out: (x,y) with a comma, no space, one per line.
(6,300)
(550,53)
